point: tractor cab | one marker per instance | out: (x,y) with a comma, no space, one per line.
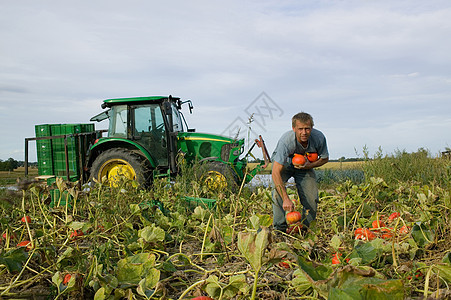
(148,124)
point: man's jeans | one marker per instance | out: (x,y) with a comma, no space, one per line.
(308,194)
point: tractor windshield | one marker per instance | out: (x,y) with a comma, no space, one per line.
(176,119)
(118,121)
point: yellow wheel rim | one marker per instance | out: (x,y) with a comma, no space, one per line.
(215,180)
(117,170)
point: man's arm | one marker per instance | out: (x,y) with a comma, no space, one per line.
(280,186)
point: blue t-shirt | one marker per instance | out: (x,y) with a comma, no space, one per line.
(288,145)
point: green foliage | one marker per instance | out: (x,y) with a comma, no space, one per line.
(151,244)
(8,165)
(402,166)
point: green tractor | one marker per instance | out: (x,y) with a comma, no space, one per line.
(147,138)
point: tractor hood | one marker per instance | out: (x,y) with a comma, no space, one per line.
(209,146)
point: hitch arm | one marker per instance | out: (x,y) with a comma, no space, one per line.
(261,144)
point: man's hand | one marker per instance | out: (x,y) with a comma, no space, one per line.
(288,205)
(307,165)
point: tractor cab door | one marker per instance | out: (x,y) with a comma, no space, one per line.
(149,131)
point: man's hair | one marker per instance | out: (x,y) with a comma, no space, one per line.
(302,117)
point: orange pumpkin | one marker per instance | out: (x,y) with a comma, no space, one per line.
(76,233)
(336,259)
(298,159)
(27,244)
(393,216)
(368,234)
(66,279)
(312,157)
(387,233)
(26,219)
(293,217)
(358,231)
(404,230)
(378,224)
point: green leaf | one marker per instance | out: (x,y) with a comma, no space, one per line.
(168,266)
(135,208)
(57,278)
(383,290)
(301,283)
(237,283)
(143,289)
(364,283)
(13,259)
(200,213)
(76,225)
(265,220)
(132,269)
(66,253)
(253,245)
(152,234)
(255,221)
(444,271)
(314,270)
(335,242)
(365,251)
(100,294)
(338,294)
(447,258)
(213,287)
(422,234)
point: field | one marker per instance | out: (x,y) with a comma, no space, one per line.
(9,178)
(375,237)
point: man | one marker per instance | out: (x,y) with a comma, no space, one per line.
(302,139)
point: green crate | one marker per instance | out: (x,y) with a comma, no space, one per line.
(193,202)
(55,194)
(55,198)
(52,154)
(42,130)
(45,167)
(152,204)
(44,151)
(87,127)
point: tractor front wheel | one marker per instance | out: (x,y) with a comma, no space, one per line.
(218,177)
(116,165)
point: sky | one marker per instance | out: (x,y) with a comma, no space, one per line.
(373,74)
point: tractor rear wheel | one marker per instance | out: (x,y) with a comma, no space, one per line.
(117,165)
(218,177)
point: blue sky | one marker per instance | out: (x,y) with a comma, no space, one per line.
(371,73)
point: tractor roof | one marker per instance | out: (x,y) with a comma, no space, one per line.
(149,99)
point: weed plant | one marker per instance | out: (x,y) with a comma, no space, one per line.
(402,166)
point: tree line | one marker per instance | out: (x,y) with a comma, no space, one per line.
(11,164)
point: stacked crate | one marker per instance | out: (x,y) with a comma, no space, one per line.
(52,155)
(51,152)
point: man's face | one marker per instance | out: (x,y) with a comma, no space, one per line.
(302,131)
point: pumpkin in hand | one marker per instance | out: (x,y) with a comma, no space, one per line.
(298,159)
(293,217)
